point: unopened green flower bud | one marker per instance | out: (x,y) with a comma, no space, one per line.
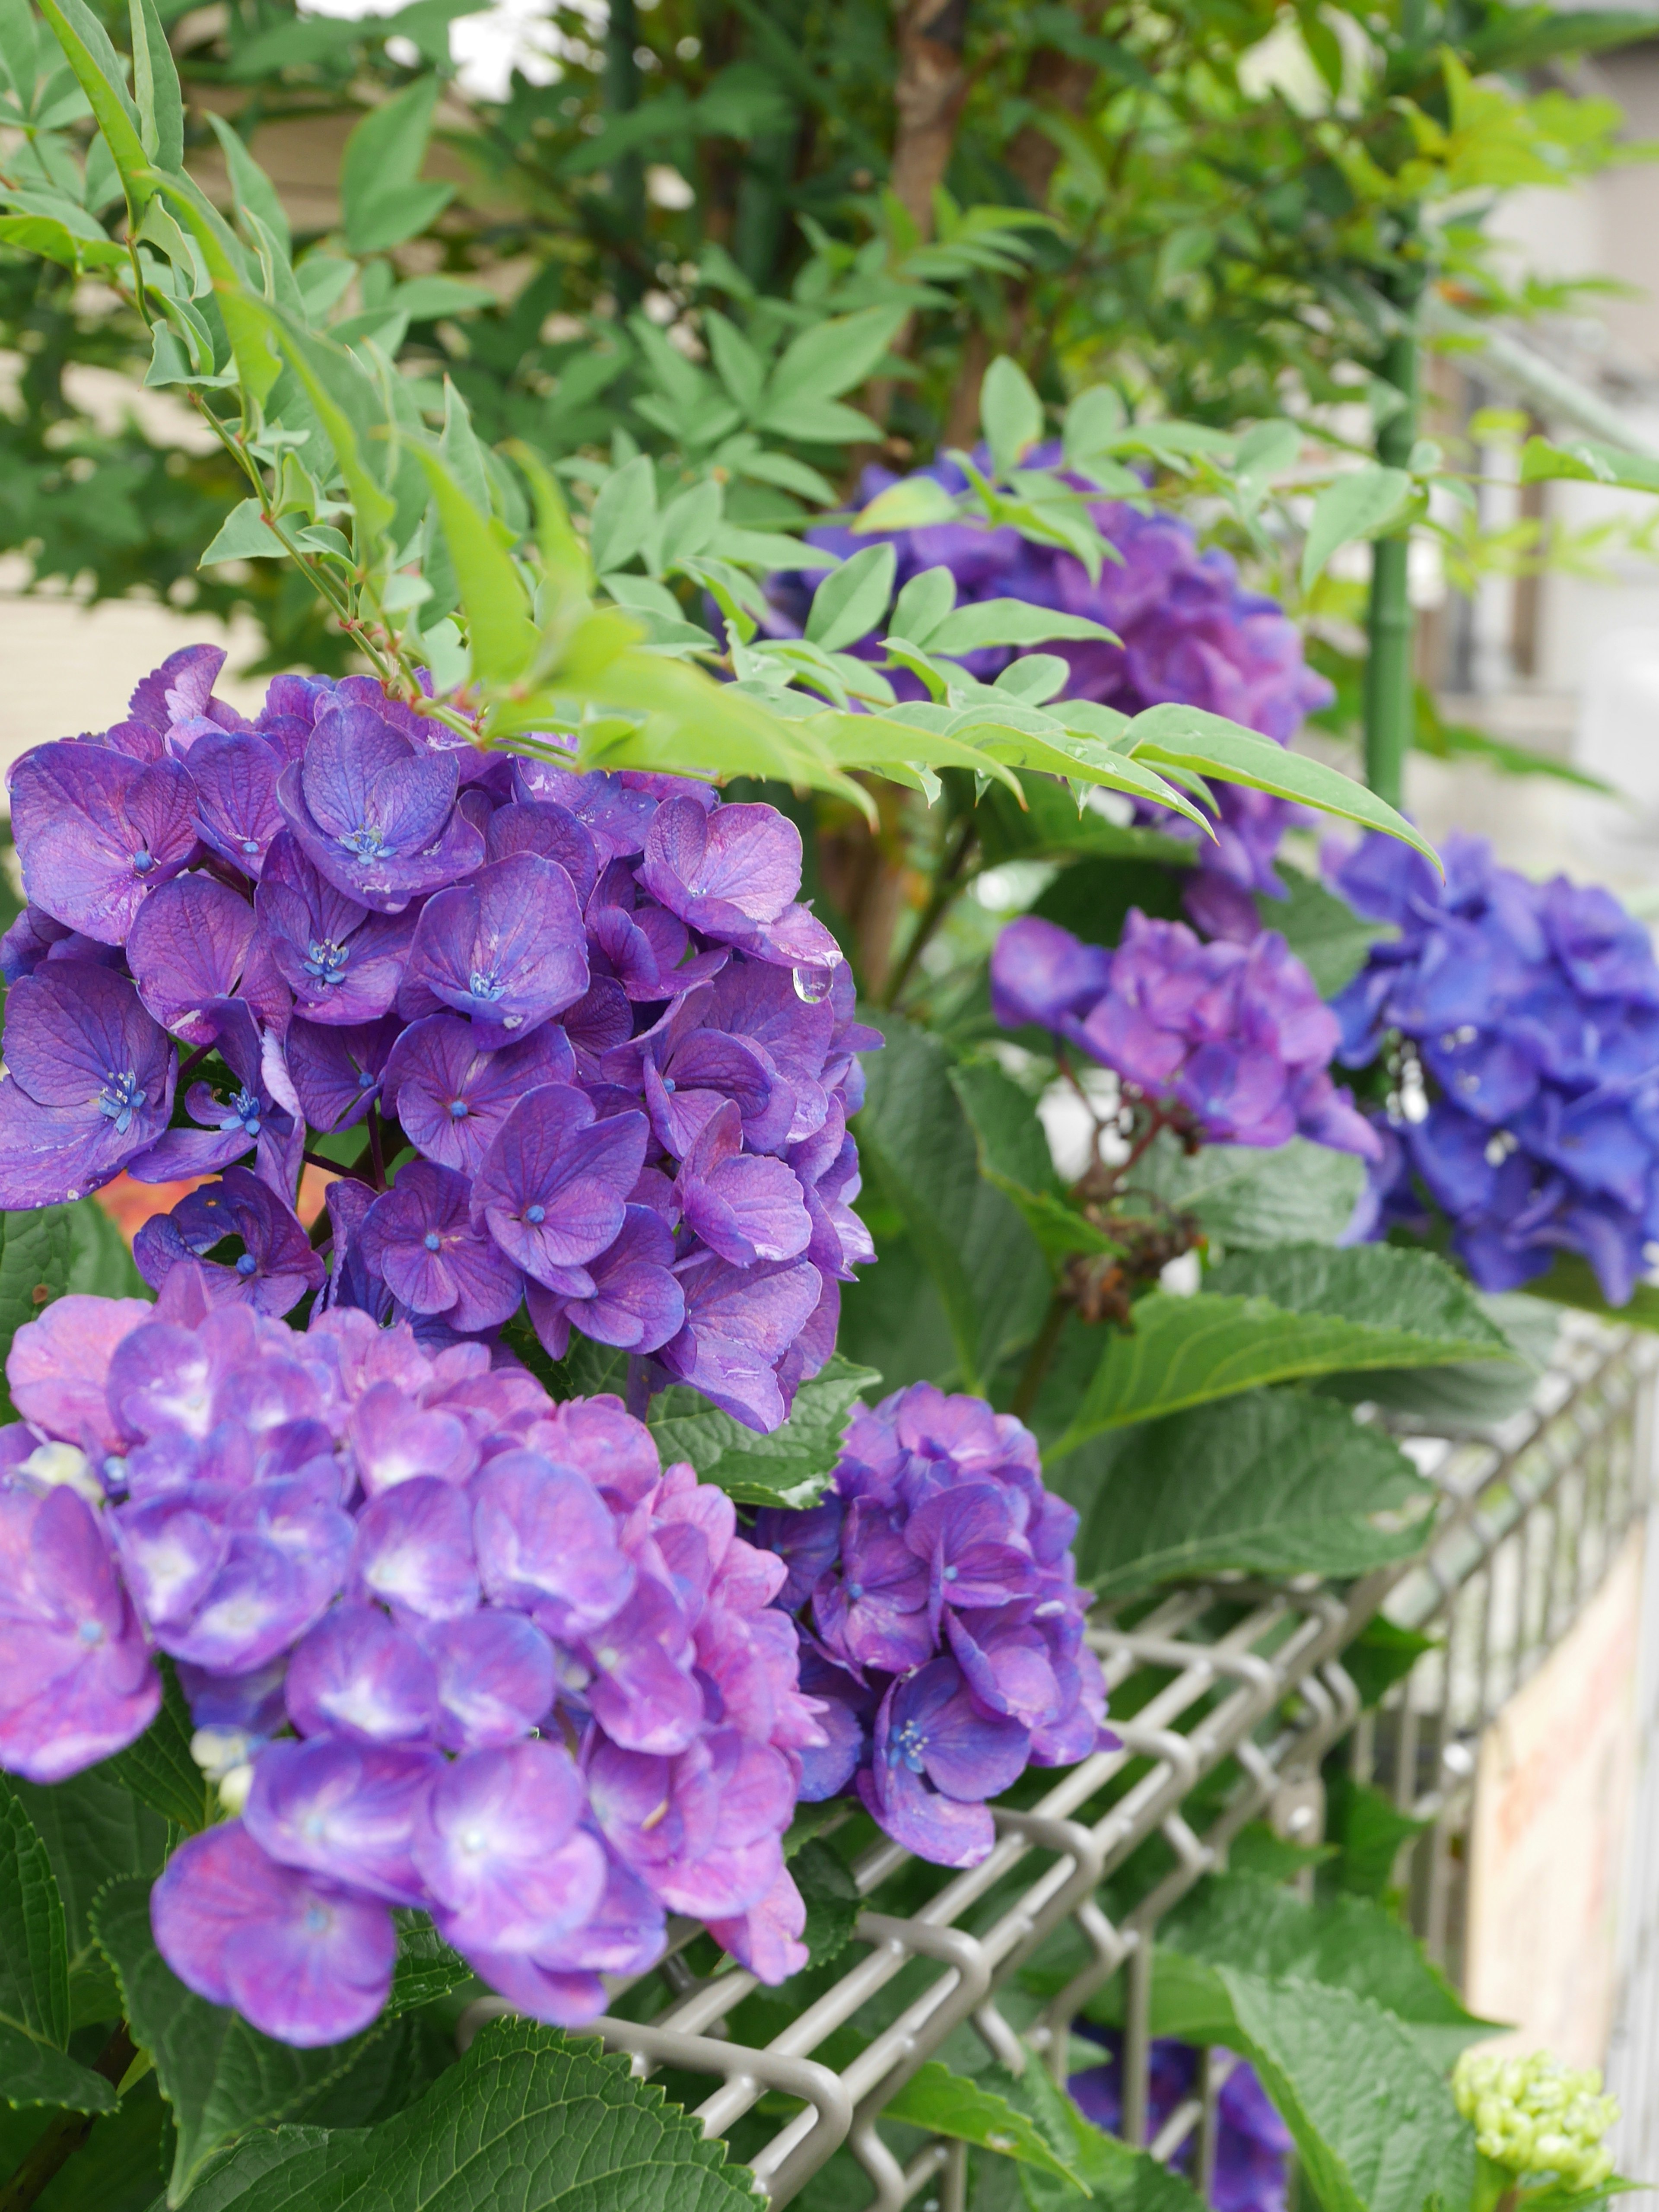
(1533,2117)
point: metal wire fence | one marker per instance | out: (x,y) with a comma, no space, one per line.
(1226,1696)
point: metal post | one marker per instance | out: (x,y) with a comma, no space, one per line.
(1390,709)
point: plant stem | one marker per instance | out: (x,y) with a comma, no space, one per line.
(64,2136)
(1041,1351)
(938,900)
(1388,624)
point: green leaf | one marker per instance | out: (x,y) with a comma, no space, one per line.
(36,1252)
(852,600)
(1359,504)
(821,364)
(256,363)
(1187,736)
(1372,2117)
(915,1142)
(1459,1396)
(98,70)
(221,2077)
(831,1898)
(1572,1282)
(94,1832)
(1005,622)
(1330,939)
(529,2119)
(789,1468)
(1118,2179)
(923,603)
(1010,413)
(347,407)
(948,2104)
(58,231)
(912,503)
(1275,1316)
(244,535)
(1368,1829)
(382,199)
(1247,1200)
(1259,1928)
(1013,1154)
(35,1997)
(1382,1654)
(159,102)
(499,628)
(1589,461)
(254,192)
(624,513)
(100,1264)
(158,1768)
(1270,1483)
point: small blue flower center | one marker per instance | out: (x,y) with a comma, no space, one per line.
(855,1591)
(906,1748)
(669,1084)
(326,961)
(432,1241)
(120,1099)
(248,1265)
(243,1112)
(317,1919)
(143,861)
(90,1631)
(458,1109)
(367,843)
(250,844)
(536,1214)
(950,1574)
(365,1080)
(487,987)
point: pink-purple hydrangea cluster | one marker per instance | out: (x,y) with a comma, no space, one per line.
(1189,634)
(451,1645)
(943,1625)
(620,1049)
(1234,1037)
(1531,1114)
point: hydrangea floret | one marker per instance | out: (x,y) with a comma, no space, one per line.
(1523,1020)
(1228,1042)
(603,1057)
(942,1620)
(447,1644)
(1188,632)
(1253,2145)
(1537,2118)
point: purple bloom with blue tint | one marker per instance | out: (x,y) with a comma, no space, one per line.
(419,1236)
(88,1085)
(375,813)
(342,962)
(96,834)
(507,948)
(1253,2144)
(276,1266)
(1522,1019)
(554,1185)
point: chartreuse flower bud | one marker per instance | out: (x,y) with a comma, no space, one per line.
(1534,2117)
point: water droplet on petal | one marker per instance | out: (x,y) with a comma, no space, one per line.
(812,985)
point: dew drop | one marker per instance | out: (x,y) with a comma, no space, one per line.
(812,985)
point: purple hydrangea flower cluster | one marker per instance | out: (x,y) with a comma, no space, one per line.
(1253,2144)
(447,1644)
(620,1050)
(945,1625)
(1234,1037)
(1190,633)
(1529,1100)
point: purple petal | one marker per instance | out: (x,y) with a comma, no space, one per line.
(744,1208)
(495,1678)
(500,1851)
(546,1538)
(506,947)
(336,1071)
(554,1184)
(187,946)
(636,1304)
(414,1549)
(235,775)
(418,1236)
(341,963)
(451,1094)
(97,833)
(358,1674)
(345,1811)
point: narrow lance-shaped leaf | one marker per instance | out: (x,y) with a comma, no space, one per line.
(98,70)
(155,88)
(1355,506)
(322,368)
(251,347)
(499,628)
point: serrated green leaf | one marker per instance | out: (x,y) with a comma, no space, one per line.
(1276,1316)
(1187,736)
(948,2104)
(1010,413)
(831,1898)
(158,1768)
(1118,2179)
(1250,1200)
(94,1832)
(1572,1282)
(1358,505)
(1273,1482)
(1368,1829)
(36,1252)
(34,1939)
(791,1466)
(914,1141)
(100,1264)
(1013,1154)
(530,2119)
(852,600)
(33,2073)
(59,232)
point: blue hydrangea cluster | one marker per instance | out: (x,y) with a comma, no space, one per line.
(447,1644)
(1189,634)
(1231,1043)
(616,1050)
(943,1623)
(1526,1098)
(1253,2144)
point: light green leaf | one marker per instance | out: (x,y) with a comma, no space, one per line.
(852,600)
(1273,1482)
(58,230)
(1358,505)
(256,363)
(1247,1200)
(1589,461)
(984,622)
(255,193)
(916,1143)
(1373,2119)
(347,406)
(1010,413)
(158,1769)
(244,535)
(99,71)
(529,2119)
(948,2104)
(923,603)
(499,630)
(381,197)
(1187,736)
(155,88)
(737,365)
(624,513)
(36,1252)
(912,503)
(792,1466)
(1572,1282)
(822,363)
(1118,2179)
(1275,1316)
(1267,450)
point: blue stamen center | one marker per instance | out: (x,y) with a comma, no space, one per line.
(906,1748)
(855,1591)
(120,1099)
(248,1265)
(458,1109)
(432,1241)
(243,1112)
(90,1631)
(143,861)
(669,1084)
(366,843)
(326,961)
(487,987)
(365,1080)
(250,844)
(536,1214)
(950,1574)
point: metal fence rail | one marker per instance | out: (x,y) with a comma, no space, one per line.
(1233,1691)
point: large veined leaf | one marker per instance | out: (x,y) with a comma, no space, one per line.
(1274,1316)
(792,1466)
(34,1994)
(158,1769)
(1259,1928)
(1372,2115)
(1274,1482)
(1246,1200)
(37,1253)
(95,1832)
(221,2077)
(915,1143)
(948,2104)
(1117,2178)
(1013,1154)
(529,2121)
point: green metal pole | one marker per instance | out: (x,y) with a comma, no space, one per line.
(1389,707)
(622,96)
